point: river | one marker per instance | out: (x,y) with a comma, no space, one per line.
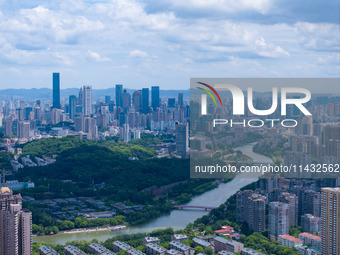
(177,219)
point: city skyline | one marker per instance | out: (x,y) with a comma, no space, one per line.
(146,43)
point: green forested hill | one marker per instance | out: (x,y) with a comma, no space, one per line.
(88,162)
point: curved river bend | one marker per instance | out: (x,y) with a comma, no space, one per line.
(177,219)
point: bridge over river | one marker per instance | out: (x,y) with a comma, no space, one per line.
(193,207)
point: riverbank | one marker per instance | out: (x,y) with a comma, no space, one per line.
(89,230)
(177,219)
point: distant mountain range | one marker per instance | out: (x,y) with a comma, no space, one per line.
(46,93)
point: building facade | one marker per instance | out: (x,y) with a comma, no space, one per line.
(15,225)
(330,221)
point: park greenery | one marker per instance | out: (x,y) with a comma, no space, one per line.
(102,169)
(5,160)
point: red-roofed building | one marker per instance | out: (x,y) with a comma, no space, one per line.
(310,239)
(289,241)
(227,231)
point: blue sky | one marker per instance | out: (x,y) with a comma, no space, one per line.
(154,42)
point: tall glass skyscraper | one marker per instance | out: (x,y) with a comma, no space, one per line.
(119,95)
(155,97)
(72,106)
(87,100)
(145,100)
(56,90)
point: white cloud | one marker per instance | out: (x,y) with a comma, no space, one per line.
(227,6)
(94,56)
(319,36)
(138,53)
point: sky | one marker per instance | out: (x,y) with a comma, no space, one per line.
(165,42)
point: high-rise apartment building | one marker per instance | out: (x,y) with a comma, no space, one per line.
(15,225)
(155,97)
(330,221)
(182,139)
(310,223)
(293,201)
(242,204)
(256,217)
(310,203)
(87,100)
(278,219)
(56,90)
(119,95)
(23,129)
(8,127)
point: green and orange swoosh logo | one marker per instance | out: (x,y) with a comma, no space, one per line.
(209,93)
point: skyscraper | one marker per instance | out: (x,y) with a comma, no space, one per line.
(256,216)
(56,90)
(180,100)
(242,204)
(119,95)
(182,139)
(278,219)
(107,99)
(8,127)
(330,221)
(137,100)
(72,106)
(155,97)
(23,129)
(293,201)
(87,100)
(126,100)
(15,225)
(145,100)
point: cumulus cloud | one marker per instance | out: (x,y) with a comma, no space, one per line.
(94,56)
(138,54)
(189,37)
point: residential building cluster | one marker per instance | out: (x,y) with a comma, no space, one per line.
(218,245)
(294,202)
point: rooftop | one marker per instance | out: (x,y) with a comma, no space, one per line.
(122,245)
(179,245)
(290,238)
(155,247)
(135,252)
(225,241)
(201,242)
(311,236)
(250,251)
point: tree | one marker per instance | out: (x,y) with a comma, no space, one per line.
(66,224)
(199,249)
(208,251)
